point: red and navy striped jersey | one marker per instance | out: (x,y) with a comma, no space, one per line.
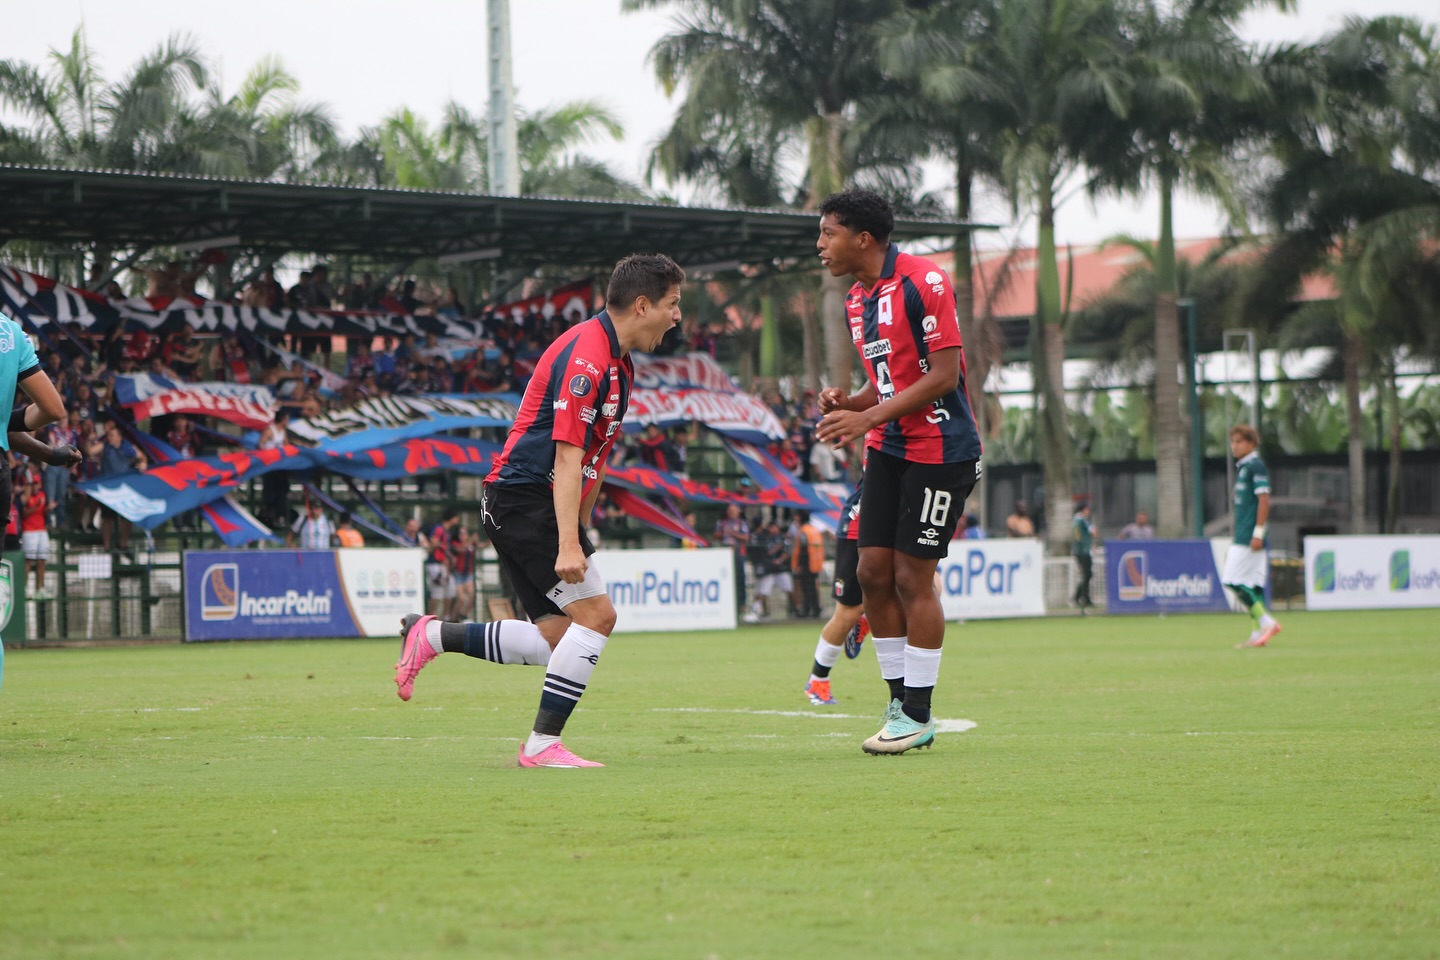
(908,315)
(577,395)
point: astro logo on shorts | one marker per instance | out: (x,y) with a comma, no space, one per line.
(1400,570)
(220,592)
(1133,572)
(1325,572)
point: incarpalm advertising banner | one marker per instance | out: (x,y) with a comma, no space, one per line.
(1165,576)
(1367,573)
(284,594)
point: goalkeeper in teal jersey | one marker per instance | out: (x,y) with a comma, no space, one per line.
(20,368)
(1245,562)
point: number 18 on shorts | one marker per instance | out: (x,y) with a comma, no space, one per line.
(913,507)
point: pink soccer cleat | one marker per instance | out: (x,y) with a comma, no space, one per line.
(414,654)
(554,755)
(1261,638)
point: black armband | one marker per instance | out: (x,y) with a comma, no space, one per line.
(17,419)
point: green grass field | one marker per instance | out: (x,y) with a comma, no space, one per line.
(1133,788)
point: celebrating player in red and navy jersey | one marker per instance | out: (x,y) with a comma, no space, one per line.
(537,495)
(923,448)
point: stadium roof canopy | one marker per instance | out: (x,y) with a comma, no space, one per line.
(142,210)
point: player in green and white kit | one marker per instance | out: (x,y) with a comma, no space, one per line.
(1245,561)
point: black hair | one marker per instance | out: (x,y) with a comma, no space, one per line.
(649,275)
(450,514)
(863,211)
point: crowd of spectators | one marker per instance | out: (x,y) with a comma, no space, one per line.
(84,363)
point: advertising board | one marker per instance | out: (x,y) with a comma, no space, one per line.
(983,579)
(670,589)
(269,594)
(1367,573)
(1165,576)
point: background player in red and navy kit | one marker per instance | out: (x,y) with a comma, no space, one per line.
(845,630)
(923,451)
(538,492)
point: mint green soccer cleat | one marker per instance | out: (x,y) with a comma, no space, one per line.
(900,733)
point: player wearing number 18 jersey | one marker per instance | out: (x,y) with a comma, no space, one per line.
(923,448)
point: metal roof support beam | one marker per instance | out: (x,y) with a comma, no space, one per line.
(116,266)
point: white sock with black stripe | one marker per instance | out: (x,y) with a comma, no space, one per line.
(566,676)
(500,641)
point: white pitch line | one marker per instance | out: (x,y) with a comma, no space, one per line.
(941,726)
(766,713)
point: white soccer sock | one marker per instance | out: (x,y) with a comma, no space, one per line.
(890,652)
(1266,621)
(566,676)
(499,641)
(537,742)
(922,666)
(432,634)
(827,654)
(517,641)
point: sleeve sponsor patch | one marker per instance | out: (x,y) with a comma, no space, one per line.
(581,385)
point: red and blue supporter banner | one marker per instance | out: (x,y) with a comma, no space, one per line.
(385,420)
(769,474)
(675,391)
(40,301)
(415,456)
(1162,576)
(572,298)
(638,508)
(232,523)
(152,497)
(150,395)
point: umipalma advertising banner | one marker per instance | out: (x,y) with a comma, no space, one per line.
(670,589)
(1366,573)
(279,594)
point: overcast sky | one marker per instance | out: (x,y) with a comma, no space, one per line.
(366,58)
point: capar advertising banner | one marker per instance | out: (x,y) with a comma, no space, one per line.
(283,594)
(982,579)
(1368,573)
(670,589)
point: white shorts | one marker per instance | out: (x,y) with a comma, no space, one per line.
(442,585)
(36,544)
(774,581)
(563,594)
(1245,567)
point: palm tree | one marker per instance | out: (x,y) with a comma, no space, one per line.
(260,131)
(1189,74)
(454,155)
(1052,70)
(84,121)
(1352,197)
(950,110)
(767,79)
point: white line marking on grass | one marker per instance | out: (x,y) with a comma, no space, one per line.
(150,710)
(954,726)
(941,726)
(765,713)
